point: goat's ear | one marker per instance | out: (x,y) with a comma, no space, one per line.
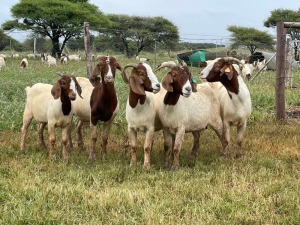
(136,86)
(228,70)
(56,90)
(77,86)
(194,85)
(94,79)
(119,67)
(167,81)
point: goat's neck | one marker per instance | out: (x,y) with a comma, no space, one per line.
(109,96)
(66,103)
(231,85)
(171,98)
(134,99)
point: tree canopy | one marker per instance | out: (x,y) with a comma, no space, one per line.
(251,38)
(139,33)
(56,19)
(284,15)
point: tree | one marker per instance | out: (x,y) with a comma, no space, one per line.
(284,15)
(6,42)
(138,33)
(251,38)
(56,19)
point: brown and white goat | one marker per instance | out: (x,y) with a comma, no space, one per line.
(183,108)
(24,63)
(233,95)
(104,101)
(140,109)
(50,104)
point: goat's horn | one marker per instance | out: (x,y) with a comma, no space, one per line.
(167,65)
(123,74)
(227,59)
(59,73)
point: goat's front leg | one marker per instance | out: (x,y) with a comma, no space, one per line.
(105,132)
(132,137)
(167,145)
(149,136)
(52,139)
(93,140)
(65,138)
(41,134)
(226,137)
(177,147)
(240,133)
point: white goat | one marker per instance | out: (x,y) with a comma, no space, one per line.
(140,109)
(50,104)
(24,63)
(233,95)
(81,107)
(48,59)
(2,62)
(74,57)
(63,59)
(142,60)
(181,111)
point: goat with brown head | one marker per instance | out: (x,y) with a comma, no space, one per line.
(104,101)
(140,111)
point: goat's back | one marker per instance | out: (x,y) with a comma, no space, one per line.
(81,106)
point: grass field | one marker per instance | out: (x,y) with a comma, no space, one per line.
(261,188)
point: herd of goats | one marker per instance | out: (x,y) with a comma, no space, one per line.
(176,105)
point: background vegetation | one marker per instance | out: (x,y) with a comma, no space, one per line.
(261,188)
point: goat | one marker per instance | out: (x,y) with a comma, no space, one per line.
(48,59)
(63,59)
(74,57)
(142,60)
(140,109)
(50,104)
(81,107)
(185,107)
(2,62)
(24,63)
(104,102)
(233,95)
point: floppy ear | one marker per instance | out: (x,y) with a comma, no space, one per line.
(167,81)
(56,90)
(228,70)
(94,79)
(194,84)
(136,86)
(77,86)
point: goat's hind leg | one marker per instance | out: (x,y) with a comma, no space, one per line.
(27,117)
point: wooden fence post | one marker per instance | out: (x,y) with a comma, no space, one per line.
(280,72)
(87,46)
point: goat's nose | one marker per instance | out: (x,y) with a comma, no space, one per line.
(158,85)
(188,88)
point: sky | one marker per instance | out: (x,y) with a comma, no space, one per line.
(203,21)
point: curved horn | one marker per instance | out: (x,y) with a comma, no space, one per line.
(59,74)
(171,66)
(125,77)
(227,59)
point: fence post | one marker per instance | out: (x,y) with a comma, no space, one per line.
(87,47)
(280,72)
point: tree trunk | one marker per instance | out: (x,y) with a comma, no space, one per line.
(56,52)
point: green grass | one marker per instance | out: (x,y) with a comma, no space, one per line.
(261,188)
